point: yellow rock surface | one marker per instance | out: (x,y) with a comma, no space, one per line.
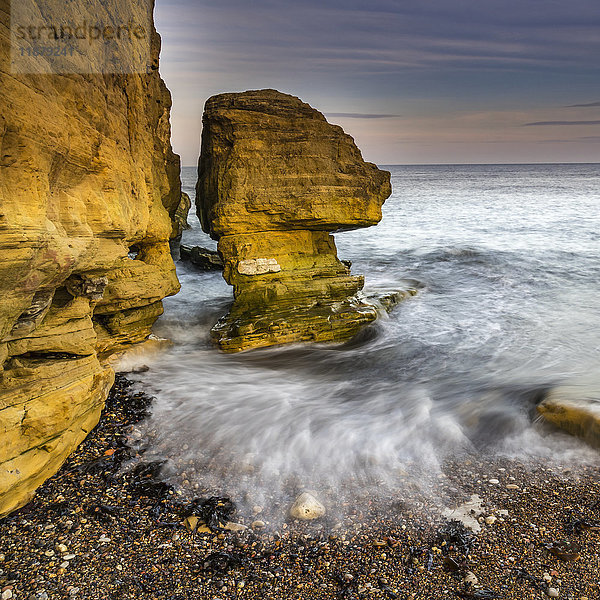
(271,162)
(274,179)
(574,407)
(89,187)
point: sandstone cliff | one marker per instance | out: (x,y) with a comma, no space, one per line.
(88,188)
(275,178)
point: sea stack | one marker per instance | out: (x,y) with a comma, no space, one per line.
(275,179)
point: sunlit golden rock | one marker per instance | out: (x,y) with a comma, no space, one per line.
(575,407)
(275,178)
(88,189)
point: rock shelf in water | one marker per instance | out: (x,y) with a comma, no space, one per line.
(275,179)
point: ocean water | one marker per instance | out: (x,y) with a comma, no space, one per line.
(509,260)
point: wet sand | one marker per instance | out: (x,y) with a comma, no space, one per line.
(105,527)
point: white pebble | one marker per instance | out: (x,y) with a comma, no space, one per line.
(553,592)
(307,507)
(494,481)
(6,594)
(491,519)
(471,578)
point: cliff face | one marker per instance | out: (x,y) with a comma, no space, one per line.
(88,186)
(274,179)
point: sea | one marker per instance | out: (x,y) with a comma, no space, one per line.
(507,259)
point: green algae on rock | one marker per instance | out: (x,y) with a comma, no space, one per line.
(275,179)
(575,407)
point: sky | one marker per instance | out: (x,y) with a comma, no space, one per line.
(413,81)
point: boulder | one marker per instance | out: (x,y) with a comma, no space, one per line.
(574,407)
(89,189)
(203,258)
(275,179)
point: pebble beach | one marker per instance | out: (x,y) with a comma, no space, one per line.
(105,526)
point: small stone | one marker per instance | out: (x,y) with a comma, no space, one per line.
(512,486)
(6,594)
(471,578)
(547,577)
(69,556)
(491,519)
(257,524)
(191,523)
(494,481)
(73,591)
(552,592)
(103,539)
(307,507)
(61,548)
(231,526)
(64,564)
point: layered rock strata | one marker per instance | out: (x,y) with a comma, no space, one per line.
(89,187)
(275,179)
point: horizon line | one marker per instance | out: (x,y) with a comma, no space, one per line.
(455,164)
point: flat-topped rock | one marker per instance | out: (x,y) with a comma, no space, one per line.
(275,178)
(271,162)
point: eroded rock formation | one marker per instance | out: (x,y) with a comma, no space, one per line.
(275,178)
(88,188)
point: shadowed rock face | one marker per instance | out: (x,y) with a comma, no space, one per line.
(88,188)
(275,178)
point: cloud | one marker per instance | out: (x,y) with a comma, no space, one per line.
(583,105)
(432,61)
(350,115)
(536,123)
